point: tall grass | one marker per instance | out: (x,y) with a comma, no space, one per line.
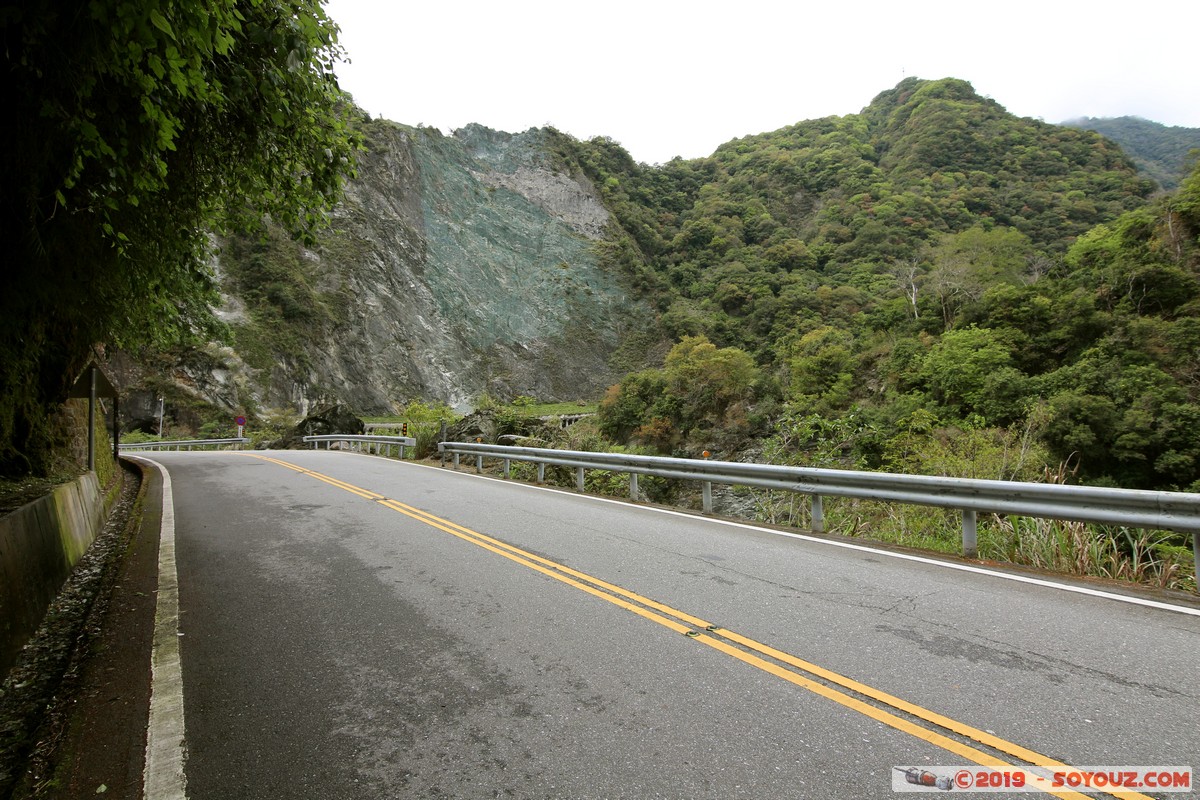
(1077,548)
(1154,558)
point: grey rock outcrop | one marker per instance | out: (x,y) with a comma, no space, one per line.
(324,421)
(462,265)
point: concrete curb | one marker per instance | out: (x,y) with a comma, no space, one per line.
(164,777)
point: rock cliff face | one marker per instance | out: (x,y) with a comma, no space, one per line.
(454,266)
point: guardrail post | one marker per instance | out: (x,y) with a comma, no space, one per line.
(579,478)
(706,495)
(1196,555)
(633,487)
(817,524)
(541,472)
(970,533)
(456,460)
(479,464)
(507,467)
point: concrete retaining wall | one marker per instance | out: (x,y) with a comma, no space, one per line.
(40,543)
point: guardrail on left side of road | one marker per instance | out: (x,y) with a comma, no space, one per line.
(185,444)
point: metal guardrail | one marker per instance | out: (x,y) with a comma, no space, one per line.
(1176,511)
(372,443)
(183,444)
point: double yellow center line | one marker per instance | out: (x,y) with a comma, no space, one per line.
(867,700)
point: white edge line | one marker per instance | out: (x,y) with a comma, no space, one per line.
(1008,576)
(163,776)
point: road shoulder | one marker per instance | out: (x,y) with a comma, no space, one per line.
(93,739)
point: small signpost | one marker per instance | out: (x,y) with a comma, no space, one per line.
(94,384)
(240,421)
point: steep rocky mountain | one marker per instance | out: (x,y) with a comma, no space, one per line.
(454,266)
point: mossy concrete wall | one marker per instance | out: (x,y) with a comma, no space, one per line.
(40,543)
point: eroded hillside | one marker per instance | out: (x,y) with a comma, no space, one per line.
(454,266)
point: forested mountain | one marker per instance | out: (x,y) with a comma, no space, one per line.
(931,285)
(740,242)
(1160,152)
(911,284)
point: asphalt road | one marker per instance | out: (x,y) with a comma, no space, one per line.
(354,627)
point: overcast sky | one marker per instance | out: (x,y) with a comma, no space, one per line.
(667,78)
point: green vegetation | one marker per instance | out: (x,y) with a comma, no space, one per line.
(68,434)
(424,423)
(701,390)
(930,286)
(930,269)
(278,285)
(1160,152)
(531,407)
(136,130)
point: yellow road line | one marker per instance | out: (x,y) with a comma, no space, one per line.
(711,635)
(555,570)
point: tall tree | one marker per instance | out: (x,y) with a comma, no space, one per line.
(136,128)
(966,263)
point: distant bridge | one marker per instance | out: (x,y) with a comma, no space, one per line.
(566,420)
